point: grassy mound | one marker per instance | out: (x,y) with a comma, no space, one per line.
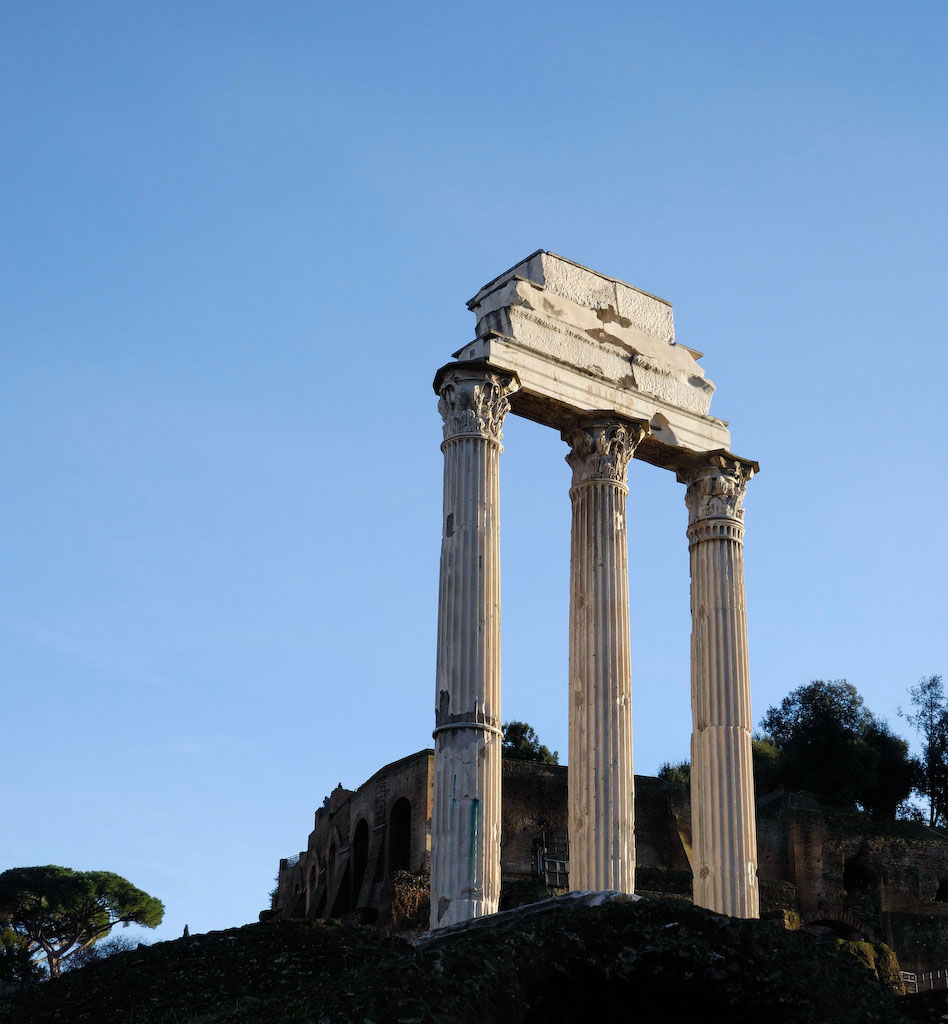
(642,961)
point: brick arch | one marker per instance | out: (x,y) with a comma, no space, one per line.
(399,835)
(835,916)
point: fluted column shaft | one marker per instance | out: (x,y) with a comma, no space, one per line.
(723,818)
(466,816)
(601,813)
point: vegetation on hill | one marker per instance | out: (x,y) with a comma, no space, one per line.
(821,738)
(661,960)
(830,744)
(521,743)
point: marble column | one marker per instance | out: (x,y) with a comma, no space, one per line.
(601,820)
(724,825)
(465,820)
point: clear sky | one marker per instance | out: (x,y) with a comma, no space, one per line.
(238,240)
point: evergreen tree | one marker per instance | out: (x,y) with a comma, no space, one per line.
(59,912)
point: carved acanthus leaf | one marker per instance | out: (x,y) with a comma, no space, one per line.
(601,449)
(716,488)
(475,403)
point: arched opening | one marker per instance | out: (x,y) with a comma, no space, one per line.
(942,895)
(399,836)
(360,858)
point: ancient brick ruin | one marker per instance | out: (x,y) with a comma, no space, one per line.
(830,872)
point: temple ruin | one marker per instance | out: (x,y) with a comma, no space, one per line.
(597,360)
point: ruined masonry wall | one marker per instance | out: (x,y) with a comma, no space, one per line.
(884,882)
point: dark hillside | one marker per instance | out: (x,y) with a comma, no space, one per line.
(642,961)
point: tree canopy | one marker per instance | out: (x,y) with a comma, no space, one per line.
(829,743)
(678,773)
(59,911)
(930,719)
(521,743)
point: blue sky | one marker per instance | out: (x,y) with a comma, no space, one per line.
(239,239)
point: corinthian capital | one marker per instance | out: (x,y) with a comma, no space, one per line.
(600,449)
(474,400)
(716,487)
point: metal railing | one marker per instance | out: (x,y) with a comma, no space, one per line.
(925,981)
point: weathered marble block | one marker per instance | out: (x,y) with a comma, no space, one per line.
(586,321)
